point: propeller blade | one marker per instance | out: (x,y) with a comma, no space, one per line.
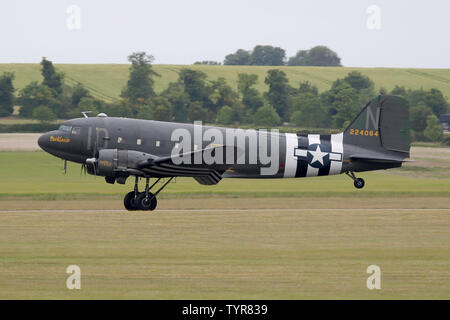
(93,162)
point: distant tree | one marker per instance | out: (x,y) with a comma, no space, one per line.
(78,93)
(209,62)
(266,116)
(225,115)
(382,91)
(316,56)
(340,100)
(52,79)
(140,85)
(307,87)
(195,86)
(145,112)
(433,131)
(239,58)
(300,59)
(7,98)
(179,100)
(416,97)
(278,95)
(162,113)
(267,56)
(162,109)
(33,96)
(251,98)
(308,111)
(86,103)
(419,115)
(358,81)
(196,112)
(399,91)
(436,101)
(121,108)
(432,98)
(44,114)
(246,81)
(222,95)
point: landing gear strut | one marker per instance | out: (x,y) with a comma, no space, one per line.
(146,200)
(357,182)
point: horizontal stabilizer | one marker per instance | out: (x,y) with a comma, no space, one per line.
(377,159)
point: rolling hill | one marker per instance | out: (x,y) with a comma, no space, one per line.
(106,81)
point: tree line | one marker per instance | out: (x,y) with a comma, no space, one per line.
(265,55)
(195,97)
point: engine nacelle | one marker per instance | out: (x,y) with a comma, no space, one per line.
(119,163)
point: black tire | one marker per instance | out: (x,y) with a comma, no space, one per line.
(145,203)
(130,202)
(359,183)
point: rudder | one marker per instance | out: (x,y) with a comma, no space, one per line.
(383,124)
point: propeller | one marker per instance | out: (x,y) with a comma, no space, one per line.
(83,169)
(93,161)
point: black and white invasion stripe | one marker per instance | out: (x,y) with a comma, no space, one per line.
(313,155)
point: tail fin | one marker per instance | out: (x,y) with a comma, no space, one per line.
(382,126)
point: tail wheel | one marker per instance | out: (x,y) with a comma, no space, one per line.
(146,203)
(130,201)
(359,183)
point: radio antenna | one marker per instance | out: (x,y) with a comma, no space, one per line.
(84,113)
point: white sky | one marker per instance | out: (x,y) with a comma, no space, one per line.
(412,34)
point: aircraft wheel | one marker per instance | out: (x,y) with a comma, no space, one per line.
(359,183)
(145,203)
(130,202)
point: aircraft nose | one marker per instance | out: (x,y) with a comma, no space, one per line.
(44,141)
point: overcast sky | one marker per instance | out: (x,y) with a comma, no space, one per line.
(394,33)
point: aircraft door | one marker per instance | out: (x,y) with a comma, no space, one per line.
(102,135)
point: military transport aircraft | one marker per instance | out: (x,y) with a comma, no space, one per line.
(116,148)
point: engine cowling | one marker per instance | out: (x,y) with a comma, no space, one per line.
(117,163)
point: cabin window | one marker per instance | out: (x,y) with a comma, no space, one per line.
(139,142)
(65,128)
(158,143)
(195,147)
(76,130)
(119,140)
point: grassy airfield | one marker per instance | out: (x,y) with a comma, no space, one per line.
(106,81)
(280,239)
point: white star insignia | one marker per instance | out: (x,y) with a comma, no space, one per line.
(317,155)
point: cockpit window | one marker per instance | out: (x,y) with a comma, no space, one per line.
(76,130)
(65,128)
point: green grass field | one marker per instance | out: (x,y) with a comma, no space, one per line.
(40,174)
(242,239)
(106,81)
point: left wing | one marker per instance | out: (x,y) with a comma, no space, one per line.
(165,167)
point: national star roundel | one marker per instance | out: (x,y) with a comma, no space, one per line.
(318,155)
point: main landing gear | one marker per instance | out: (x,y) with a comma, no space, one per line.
(357,182)
(146,200)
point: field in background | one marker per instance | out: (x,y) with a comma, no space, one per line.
(242,239)
(106,81)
